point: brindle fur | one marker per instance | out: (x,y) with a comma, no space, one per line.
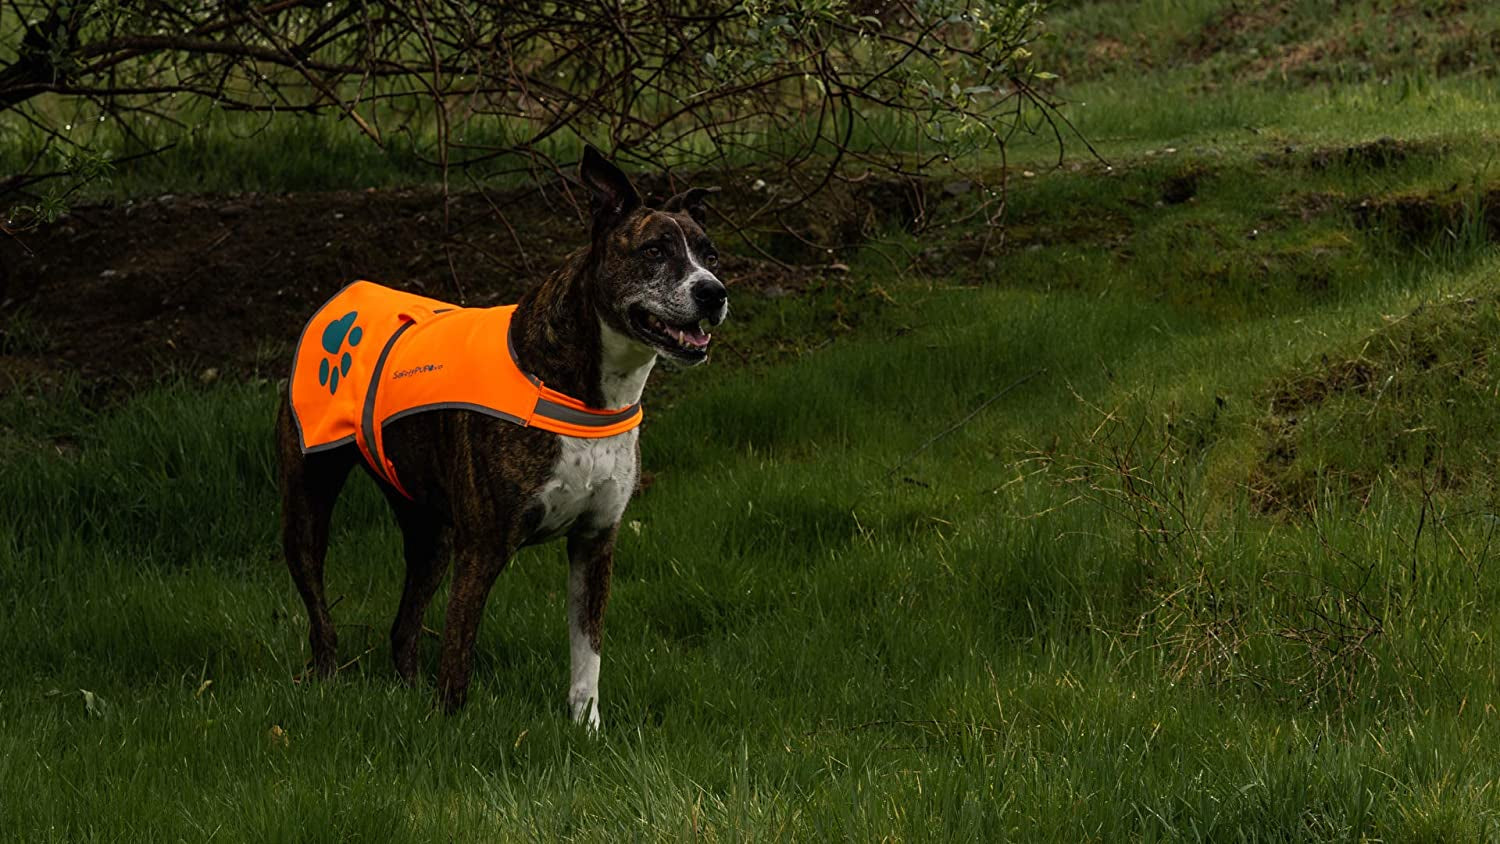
(474,479)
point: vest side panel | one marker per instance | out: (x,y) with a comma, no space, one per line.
(335,357)
(457,361)
(456,358)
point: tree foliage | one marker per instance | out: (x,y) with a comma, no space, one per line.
(822,89)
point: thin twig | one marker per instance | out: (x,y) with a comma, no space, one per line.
(964,421)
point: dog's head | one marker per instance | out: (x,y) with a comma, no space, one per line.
(655,269)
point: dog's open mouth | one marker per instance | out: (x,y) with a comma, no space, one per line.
(688,341)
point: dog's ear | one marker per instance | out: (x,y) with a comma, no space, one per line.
(691,201)
(613,195)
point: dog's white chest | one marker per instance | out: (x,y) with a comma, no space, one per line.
(592,478)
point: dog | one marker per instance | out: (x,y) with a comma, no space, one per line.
(470,488)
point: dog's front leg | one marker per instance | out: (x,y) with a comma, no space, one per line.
(474,571)
(591,555)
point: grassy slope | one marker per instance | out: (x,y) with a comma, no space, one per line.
(1277,621)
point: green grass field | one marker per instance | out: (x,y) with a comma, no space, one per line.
(1172,518)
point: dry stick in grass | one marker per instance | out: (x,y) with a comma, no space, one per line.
(1416,540)
(971,726)
(736,349)
(365,653)
(964,421)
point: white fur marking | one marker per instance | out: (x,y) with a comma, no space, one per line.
(623,371)
(583,686)
(593,478)
(698,271)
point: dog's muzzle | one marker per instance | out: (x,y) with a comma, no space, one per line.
(712,299)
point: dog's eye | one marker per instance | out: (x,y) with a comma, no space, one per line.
(711,259)
(652,252)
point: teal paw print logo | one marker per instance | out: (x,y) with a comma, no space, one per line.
(329,372)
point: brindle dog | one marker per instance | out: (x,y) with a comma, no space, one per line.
(483,487)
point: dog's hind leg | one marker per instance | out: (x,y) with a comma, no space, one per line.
(310,484)
(426,562)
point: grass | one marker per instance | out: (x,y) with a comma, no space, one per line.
(1218,569)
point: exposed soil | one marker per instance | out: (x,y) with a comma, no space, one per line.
(1425,218)
(1182,186)
(1380,154)
(219,286)
(1383,152)
(1301,42)
(1231,27)
(1397,385)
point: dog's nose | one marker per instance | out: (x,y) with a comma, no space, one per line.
(710,294)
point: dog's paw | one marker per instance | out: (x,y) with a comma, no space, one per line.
(337,364)
(585,711)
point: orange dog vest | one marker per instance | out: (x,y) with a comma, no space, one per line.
(371,355)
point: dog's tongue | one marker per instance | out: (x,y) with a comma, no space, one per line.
(694,336)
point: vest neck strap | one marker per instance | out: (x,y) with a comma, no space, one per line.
(562,407)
